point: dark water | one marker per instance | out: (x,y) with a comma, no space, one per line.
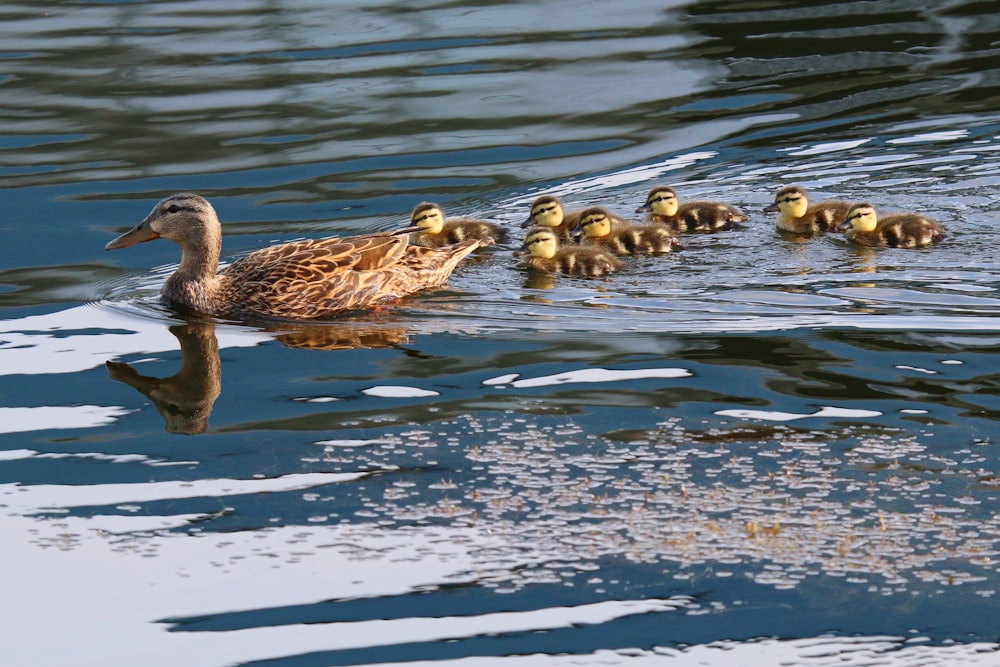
(760,450)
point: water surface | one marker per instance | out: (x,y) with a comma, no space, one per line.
(760,449)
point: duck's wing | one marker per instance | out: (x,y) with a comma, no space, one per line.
(457,230)
(310,279)
(368,252)
(912,230)
(710,216)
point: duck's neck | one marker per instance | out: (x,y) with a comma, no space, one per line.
(200,257)
(195,282)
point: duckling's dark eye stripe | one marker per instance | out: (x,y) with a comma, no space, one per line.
(788,199)
(424,217)
(661,198)
(545,209)
(174,208)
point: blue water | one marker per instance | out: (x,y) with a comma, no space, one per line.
(758,450)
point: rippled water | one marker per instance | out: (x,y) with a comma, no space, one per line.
(759,450)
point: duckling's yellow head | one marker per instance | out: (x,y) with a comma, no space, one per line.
(541,242)
(661,200)
(428,217)
(862,217)
(595,222)
(546,211)
(791,202)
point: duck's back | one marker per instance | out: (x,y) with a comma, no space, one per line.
(819,218)
(701,216)
(429,266)
(576,261)
(318,278)
(456,230)
(907,230)
(311,278)
(636,239)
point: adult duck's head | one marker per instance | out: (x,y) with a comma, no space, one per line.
(185,218)
(188,220)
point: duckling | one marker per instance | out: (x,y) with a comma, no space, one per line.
(664,208)
(435,232)
(595,226)
(548,211)
(798,217)
(899,230)
(299,280)
(545,254)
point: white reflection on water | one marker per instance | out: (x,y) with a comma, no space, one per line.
(22,499)
(136,580)
(84,337)
(823,651)
(21,420)
(947,135)
(588,375)
(397,391)
(776,416)
(112,612)
(826,147)
(15,454)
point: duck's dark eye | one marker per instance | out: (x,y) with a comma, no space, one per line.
(173,208)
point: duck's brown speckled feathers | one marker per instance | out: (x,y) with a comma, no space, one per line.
(624,239)
(663,207)
(300,280)
(545,254)
(898,230)
(799,217)
(436,231)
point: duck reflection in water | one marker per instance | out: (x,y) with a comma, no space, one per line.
(186,398)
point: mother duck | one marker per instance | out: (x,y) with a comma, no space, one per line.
(300,280)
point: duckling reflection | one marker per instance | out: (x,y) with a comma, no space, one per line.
(542,280)
(186,398)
